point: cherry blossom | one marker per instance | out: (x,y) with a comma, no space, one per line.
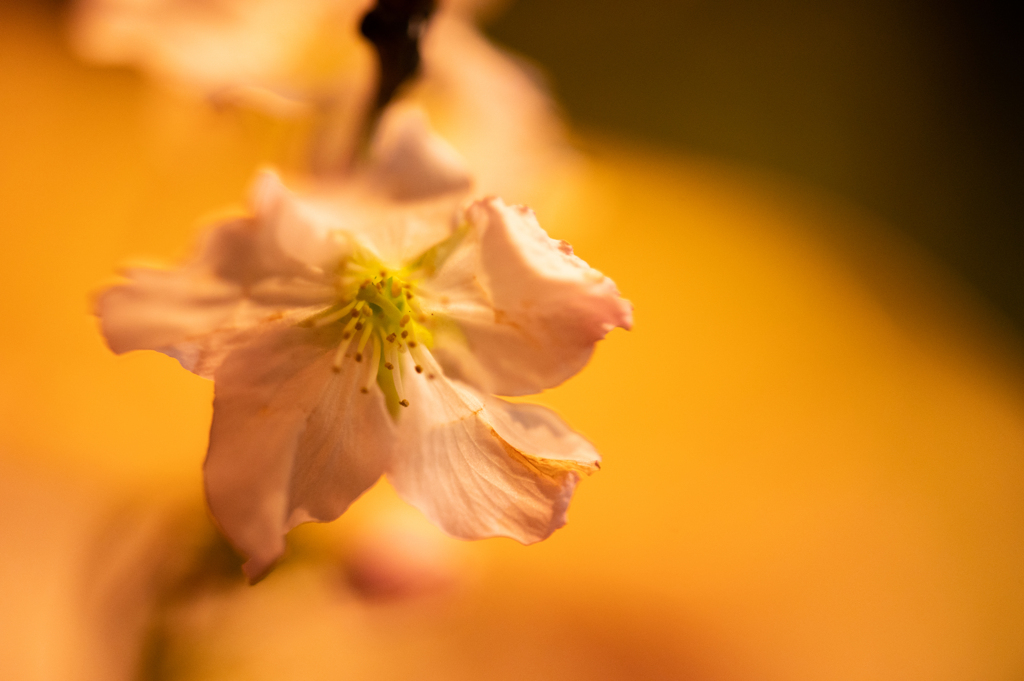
(362,329)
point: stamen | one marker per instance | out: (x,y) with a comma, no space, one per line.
(371,375)
(396,376)
(404,320)
(348,327)
(418,357)
(405,334)
(362,342)
(391,338)
(334,316)
(396,288)
(339,355)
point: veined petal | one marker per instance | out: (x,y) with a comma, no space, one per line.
(484,467)
(541,436)
(527,311)
(292,440)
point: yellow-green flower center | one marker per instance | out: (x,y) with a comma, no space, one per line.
(381,323)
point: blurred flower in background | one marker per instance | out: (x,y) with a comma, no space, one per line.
(812,442)
(309,61)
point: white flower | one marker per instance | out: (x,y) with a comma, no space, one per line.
(361,331)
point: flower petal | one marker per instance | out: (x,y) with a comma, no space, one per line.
(405,200)
(199,312)
(494,109)
(292,440)
(527,311)
(411,162)
(485,468)
(296,227)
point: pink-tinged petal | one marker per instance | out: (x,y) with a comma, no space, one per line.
(159,308)
(411,162)
(292,440)
(295,228)
(199,312)
(479,468)
(527,312)
(406,200)
(541,435)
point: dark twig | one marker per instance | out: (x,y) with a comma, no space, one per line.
(394,27)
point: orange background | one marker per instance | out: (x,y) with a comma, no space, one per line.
(813,439)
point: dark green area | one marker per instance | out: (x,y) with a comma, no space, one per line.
(910,109)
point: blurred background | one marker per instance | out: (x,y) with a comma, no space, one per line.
(813,439)
(909,109)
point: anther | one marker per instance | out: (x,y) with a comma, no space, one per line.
(346,335)
(419,369)
(359,326)
(412,344)
(364,390)
(396,288)
(405,334)
(430,376)
(404,403)
(359,357)
(391,338)
(348,327)
(389,366)
(404,320)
